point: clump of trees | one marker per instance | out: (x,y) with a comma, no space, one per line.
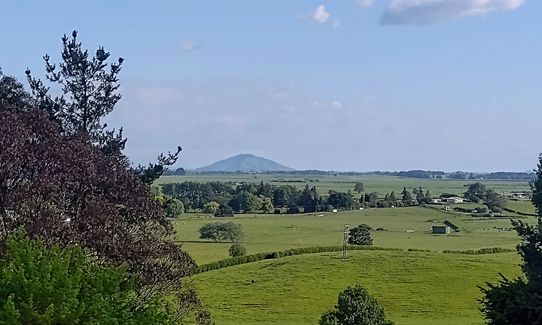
(360,235)
(220,231)
(65,179)
(262,198)
(519,300)
(478,192)
(355,306)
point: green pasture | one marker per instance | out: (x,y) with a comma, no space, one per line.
(372,183)
(521,206)
(414,287)
(403,228)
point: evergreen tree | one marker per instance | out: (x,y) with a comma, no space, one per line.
(519,301)
(393,199)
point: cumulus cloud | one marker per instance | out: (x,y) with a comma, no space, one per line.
(421,12)
(320,14)
(365,3)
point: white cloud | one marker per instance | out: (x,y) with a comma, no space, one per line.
(421,12)
(336,24)
(365,3)
(336,104)
(320,14)
(188,46)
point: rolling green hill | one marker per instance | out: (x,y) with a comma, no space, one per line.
(414,287)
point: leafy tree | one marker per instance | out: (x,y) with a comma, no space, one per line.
(66,191)
(340,200)
(40,285)
(519,301)
(407,197)
(266,204)
(355,306)
(245,201)
(494,201)
(371,199)
(218,231)
(13,94)
(224,211)
(309,199)
(211,207)
(65,179)
(359,187)
(360,235)
(476,192)
(237,250)
(173,208)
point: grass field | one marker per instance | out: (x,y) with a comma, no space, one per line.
(414,288)
(264,233)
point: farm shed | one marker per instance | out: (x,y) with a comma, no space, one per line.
(441,230)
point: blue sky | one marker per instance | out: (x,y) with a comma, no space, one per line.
(335,85)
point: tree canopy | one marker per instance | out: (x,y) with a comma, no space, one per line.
(355,306)
(360,235)
(519,300)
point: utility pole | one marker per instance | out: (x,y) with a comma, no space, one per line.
(345,240)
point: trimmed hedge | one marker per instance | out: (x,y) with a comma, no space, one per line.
(327,249)
(521,213)
(279,254)
(491,250)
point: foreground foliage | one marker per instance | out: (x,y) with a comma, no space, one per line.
(519,301)
(65,179)
(40,285)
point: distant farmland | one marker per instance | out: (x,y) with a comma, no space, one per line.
(414,287)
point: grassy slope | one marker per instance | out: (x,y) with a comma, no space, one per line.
(415,288)
(269,233)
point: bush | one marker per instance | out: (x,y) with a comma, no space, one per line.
(355,306)
(218,231)
(237,250)
(360,235)
(40,285)
(211,207)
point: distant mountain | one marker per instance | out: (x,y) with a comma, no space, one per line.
(245,163)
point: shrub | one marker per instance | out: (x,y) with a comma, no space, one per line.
(237,250)
(355,306)
(40,285)
(360,235)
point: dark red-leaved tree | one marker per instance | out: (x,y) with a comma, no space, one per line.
(64,178)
